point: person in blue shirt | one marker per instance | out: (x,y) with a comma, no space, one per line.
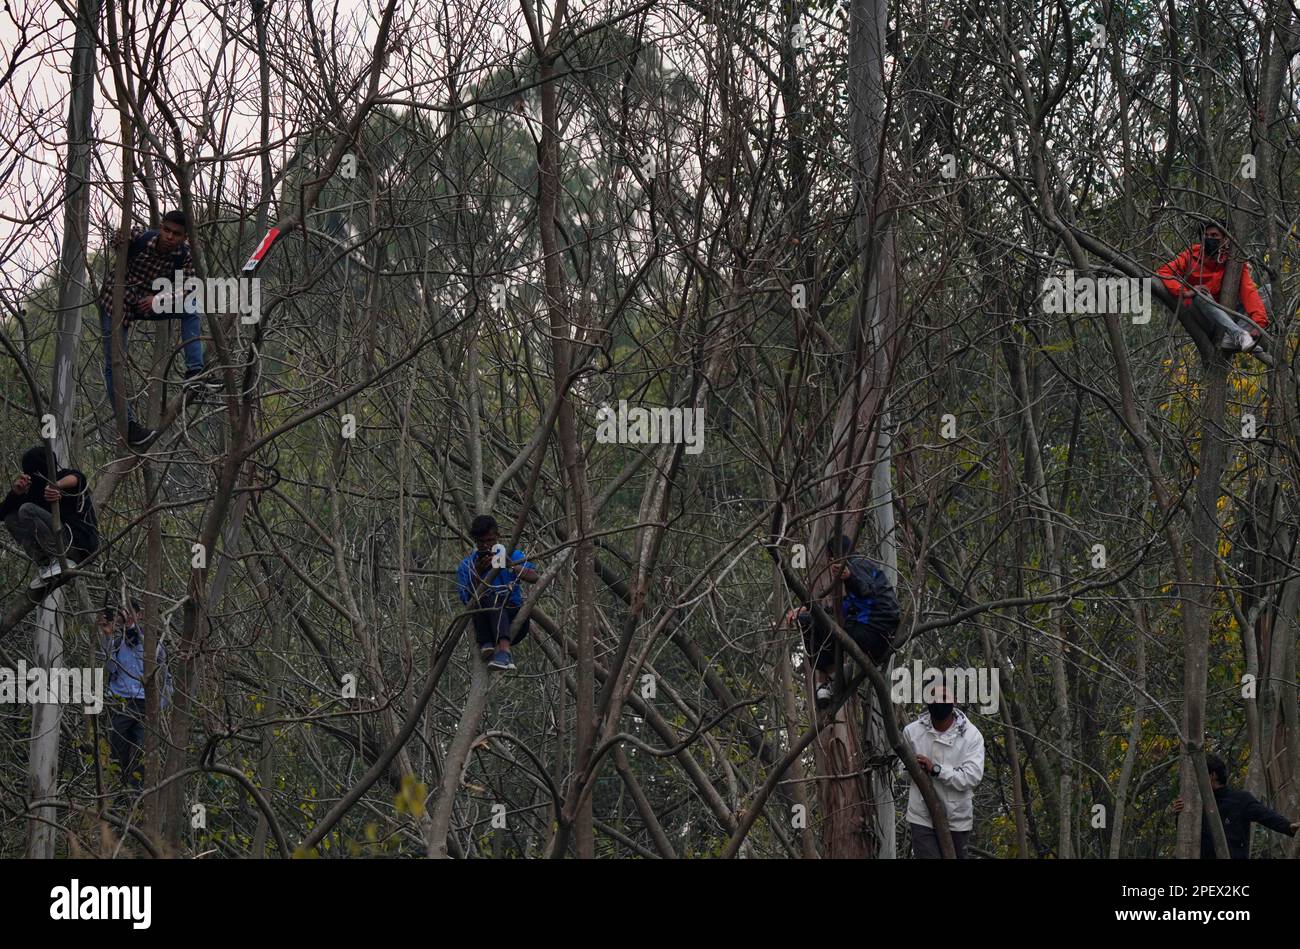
(122,639)
(494,592)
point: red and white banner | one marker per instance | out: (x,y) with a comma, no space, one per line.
(256,260)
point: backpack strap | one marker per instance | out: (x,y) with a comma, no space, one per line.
(140,243)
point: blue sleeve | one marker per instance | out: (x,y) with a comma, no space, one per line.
(462,580)
(112,666)
(519,559)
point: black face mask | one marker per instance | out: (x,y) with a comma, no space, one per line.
(939,711)
(1212,245)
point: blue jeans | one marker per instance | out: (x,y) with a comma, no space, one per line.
(191,332)
(1218,322)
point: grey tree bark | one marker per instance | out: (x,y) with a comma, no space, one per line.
(48,638)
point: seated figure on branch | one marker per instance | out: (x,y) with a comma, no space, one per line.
(1195,279)
(490,581)
(28,513)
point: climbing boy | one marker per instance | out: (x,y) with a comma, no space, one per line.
(870,614)
(154,255)
(494,592)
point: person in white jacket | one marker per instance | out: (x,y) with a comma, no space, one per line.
(950,749)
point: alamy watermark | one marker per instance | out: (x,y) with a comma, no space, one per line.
(923,685)
(55,686)
(656,426)
(77,901)
(181,294)
(1126,296)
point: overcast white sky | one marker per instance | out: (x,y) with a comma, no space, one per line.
(33,108)
(202,58)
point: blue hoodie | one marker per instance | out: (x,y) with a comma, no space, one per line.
(505,585)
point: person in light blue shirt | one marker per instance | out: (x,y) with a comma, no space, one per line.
(122,639)
(494,592)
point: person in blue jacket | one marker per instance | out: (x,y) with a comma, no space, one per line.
(494,591)
(122,640)
(870,613)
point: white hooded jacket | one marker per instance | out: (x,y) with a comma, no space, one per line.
(959,752)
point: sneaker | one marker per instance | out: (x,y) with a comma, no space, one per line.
(1247,343)
(1231,342)
(502,661)
(48,573)
(137,436)
(486,650)
(825,694)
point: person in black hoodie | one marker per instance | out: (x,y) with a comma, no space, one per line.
(1237,810)
(27,513)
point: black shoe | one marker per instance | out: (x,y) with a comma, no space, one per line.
(137,436)
(202,379)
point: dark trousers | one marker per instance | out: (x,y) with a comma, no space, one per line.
(126,739)
(925,842)
(33,528)
(820,643)
(491,625)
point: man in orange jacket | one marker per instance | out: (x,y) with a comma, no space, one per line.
(1195,278)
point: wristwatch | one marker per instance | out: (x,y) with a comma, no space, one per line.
(935,768)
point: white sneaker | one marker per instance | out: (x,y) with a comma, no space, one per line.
(48,573)
(1247,342)
(824,695)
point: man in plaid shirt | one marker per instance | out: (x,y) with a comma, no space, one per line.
(152,255)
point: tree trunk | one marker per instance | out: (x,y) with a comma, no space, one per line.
(1198,604)
(453,767)
(579,498)
(1134,733)
(844,791)
(48,644)
(882,504)
(46,716)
